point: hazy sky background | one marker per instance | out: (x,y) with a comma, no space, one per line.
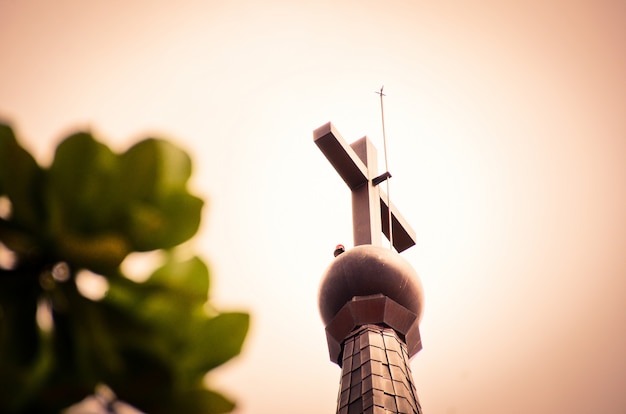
(506,123)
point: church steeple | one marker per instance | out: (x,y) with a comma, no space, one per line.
(370,298)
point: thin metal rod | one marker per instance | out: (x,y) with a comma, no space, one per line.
(382,115)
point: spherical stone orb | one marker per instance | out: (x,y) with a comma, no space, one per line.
(368,270)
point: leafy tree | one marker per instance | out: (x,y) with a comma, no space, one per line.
(151,342)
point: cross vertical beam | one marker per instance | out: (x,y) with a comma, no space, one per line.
(366,219)
(356,164)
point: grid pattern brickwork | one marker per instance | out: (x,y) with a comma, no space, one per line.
(375,374)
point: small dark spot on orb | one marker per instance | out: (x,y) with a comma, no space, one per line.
(339,249)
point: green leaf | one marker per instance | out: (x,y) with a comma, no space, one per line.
(174,292)
(190,279)
(166,222)
(215,341)
(20,180)
(169,306)
(203,401)
(83,176)
(153,168)
(162,213)
(82,192)
(139,166)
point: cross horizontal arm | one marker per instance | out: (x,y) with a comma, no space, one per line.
(403,235)
(341,156)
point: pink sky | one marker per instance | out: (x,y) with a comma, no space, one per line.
(507,136)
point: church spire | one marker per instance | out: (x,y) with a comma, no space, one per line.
(370,298)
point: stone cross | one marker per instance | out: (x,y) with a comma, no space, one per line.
(357,165)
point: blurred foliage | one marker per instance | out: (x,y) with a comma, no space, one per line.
(153,342)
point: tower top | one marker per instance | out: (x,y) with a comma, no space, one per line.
(368,284)
(370,298)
